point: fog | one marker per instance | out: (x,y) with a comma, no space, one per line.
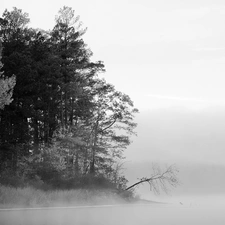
(174,63)
(179,134)
(119,215)
(191,139)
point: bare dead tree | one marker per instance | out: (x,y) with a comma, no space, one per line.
(159,180)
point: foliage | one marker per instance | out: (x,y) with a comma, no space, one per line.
(65,127)
(6,85)
(6,90)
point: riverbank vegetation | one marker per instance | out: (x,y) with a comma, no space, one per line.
(29,197)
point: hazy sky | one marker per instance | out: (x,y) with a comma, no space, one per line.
(159,52)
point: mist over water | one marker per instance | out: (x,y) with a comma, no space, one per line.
(194,141)
(196,201)
(179,134)
(174,214)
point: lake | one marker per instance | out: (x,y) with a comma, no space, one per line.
(143,214)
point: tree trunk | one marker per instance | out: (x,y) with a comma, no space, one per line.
(36,136)
(92,166)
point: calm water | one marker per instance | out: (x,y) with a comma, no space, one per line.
(168,214)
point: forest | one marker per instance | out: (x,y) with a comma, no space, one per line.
(61,125)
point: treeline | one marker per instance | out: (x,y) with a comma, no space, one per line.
(65,126)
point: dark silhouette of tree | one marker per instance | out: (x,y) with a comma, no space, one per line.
(159,180)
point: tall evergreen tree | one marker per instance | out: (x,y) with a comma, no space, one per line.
(74,58)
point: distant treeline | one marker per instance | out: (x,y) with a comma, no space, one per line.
(65,127)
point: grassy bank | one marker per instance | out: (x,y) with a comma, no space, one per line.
(31,197)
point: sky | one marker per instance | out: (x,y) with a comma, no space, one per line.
(169,56)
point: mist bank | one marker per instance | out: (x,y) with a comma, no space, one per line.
(195,179)
(174,134)
(191,139)
(120,215)
(30,197)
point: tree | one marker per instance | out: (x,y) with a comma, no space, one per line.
(15,119)
(159,180)
(6,90)
(52,72)
(73,58)
(12,23)
(111,125)
(61,111)
(6,85)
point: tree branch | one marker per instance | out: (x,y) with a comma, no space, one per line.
(102,130)
(159,180)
